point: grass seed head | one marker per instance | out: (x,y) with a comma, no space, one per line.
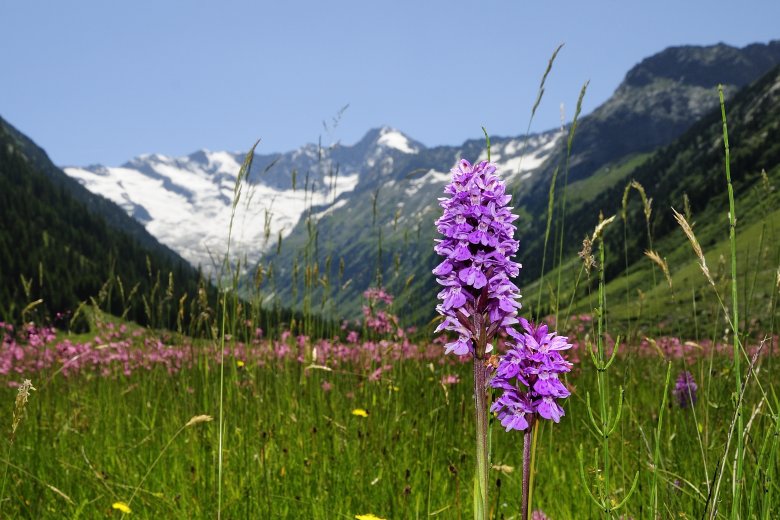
(624,205)
(603,223)
(694,243)
(586,253)
(198,419)
(660,262)
(687,208)
(21,403)
(647,203)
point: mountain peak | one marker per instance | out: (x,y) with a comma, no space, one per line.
(156,157)
(706,66)
(390,138)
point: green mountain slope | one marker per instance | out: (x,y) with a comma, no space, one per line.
(659,100)
(661,97)
(692,168)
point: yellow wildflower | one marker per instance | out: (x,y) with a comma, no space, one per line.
(122,507)
(240,364)
(360,412)
(369,516)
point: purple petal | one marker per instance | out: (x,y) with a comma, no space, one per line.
(549,409)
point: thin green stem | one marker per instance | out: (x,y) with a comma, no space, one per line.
(657,447)
(5,474)
(562,228)
(243,172)
(487,142)
(602,374)
(539,95)
(625,278)
(737,484)
(156,460)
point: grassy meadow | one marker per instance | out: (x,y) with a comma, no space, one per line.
(303,441)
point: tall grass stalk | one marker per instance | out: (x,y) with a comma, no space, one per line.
(736,484)
(624,217)
(657,440)
(551,197)
(226,269)
(539,95)
(562,213)
(550,207)
(551,203)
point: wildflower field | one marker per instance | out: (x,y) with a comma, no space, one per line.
(387,429)
(646,394)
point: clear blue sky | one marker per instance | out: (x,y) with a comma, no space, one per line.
(102,81)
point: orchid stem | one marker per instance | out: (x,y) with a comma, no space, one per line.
(533,466)
(527,462)
(483,458)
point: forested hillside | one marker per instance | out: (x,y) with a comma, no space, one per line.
(62,251)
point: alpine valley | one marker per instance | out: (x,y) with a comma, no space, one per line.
(331,220)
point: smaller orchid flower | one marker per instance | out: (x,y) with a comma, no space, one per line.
(685,389)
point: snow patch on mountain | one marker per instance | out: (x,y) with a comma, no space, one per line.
(333,207)
(512,158)
(518,156)
(431,177)
(187,203)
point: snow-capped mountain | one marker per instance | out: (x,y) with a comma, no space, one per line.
(187,202)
